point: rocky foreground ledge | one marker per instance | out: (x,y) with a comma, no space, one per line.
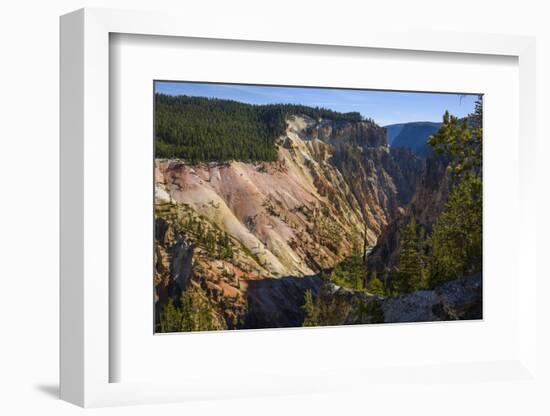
(276,303)
(458,299)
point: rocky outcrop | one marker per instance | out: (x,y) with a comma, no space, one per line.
(173,253)
(413,307)
(362,134)
(460,299)
(173,259)
(454,300)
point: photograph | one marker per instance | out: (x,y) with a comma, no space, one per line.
(297,206)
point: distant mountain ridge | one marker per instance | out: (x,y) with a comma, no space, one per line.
(413,135)
(393,130)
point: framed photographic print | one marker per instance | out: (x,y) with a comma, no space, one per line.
(291,201)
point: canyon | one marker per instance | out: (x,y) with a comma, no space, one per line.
(251,238)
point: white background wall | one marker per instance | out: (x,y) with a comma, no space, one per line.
(29,210)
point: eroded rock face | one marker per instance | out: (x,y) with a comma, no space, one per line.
(173,263)
(174,254)
(362,134)
(429,196)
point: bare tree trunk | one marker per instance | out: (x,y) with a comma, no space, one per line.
(365,243)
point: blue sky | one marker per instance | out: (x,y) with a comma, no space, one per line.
(385,107)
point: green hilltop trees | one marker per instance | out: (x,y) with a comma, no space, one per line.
(199,129)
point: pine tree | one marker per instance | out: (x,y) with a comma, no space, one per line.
(197,312)
(350,272)
(376,287)
(386,280)
(171,318)
(456,240)
(186,302)
(309,309)
(203,314)
(461,139)
(409,276)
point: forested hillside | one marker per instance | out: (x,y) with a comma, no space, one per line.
(201,129)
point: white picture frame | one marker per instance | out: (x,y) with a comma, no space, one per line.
(85,355)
